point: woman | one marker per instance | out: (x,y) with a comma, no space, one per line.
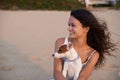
(90,39)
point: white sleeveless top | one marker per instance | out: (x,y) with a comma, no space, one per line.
(89,57)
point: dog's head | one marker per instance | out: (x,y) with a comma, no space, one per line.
(62,52)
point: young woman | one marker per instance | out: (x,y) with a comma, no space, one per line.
(90,39)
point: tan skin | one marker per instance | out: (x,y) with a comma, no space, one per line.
(78,38)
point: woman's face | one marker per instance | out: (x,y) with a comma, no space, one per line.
(76,29)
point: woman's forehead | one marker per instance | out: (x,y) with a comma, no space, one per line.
(73,20)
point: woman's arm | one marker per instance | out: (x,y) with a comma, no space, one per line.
(89,67)
(58,62)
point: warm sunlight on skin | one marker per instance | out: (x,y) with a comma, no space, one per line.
(75,28)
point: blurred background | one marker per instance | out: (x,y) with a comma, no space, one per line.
(29,29)
(55,4)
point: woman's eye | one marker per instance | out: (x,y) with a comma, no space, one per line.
(72,25)
(68,24)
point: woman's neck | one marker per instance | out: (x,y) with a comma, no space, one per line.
(80,43)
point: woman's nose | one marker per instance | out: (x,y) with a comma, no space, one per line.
(69,28)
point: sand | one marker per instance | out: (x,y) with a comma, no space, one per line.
(27,41)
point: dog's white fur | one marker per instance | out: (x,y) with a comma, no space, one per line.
(72,63)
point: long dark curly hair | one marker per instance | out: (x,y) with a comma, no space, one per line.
(98,36)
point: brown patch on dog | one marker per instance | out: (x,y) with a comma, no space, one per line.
(63,49)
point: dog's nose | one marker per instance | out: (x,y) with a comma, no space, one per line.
(53,55)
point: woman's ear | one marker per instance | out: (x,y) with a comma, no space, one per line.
(87,29)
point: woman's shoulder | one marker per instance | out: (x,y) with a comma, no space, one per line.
(60,40)
(95,55)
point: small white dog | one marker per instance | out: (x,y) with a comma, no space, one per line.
(72,61)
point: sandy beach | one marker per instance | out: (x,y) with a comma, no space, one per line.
(27,41)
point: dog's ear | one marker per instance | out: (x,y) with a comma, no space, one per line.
(63,49)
